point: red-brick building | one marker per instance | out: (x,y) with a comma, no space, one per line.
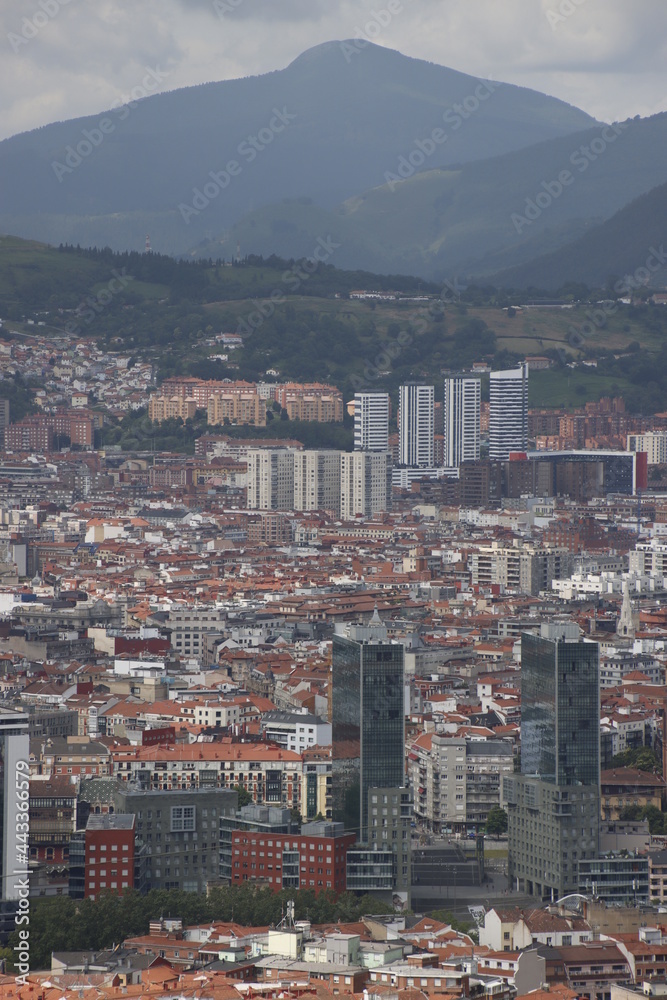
(109,853)
(291,861)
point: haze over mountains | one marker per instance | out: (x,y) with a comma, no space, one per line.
(321,148)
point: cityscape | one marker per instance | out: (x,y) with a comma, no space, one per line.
(333,501)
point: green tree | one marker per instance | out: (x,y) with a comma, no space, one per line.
(496,821)
(245,798)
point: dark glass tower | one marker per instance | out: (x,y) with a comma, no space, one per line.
(554,804)
(560,710)
(368,720)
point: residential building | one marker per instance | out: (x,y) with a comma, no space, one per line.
(371,421)
(508,412)
(654,443)
(310,401)
(235,407)
(554,803)
(109,846)
(270,479)
(456,781)
(317,480)
(461,413)
(314,859)
(181,831)
(161,408)
(365,484)
(415,425)
(295,731)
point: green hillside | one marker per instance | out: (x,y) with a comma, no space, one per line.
(305,327)
(617,248)
(477,219)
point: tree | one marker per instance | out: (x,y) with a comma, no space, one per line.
(643,758)
(496,821)
(245,798)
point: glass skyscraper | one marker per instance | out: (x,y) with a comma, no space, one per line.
(560,718)
(367,720)
(554,804)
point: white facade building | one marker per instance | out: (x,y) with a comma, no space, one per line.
(461,419)
(365,484)
(508,412)
(371,421)
(416,418)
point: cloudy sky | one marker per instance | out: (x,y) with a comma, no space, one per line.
(65,58)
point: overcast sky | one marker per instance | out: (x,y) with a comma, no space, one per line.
(65,58)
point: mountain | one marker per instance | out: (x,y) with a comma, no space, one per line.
(616,248)
(330,125)
(478,218)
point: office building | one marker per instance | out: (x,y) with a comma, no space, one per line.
(415,426)
(365,484)
(554,804)
(508,412)
(317,480)
(270,480)
(461,417)
(367,719)
(371,421)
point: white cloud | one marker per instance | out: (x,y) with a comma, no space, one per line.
(606,56)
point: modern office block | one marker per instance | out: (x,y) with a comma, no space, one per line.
(554,804)
(367,720)
(371,421)
(461,418)
(416,433)
(508,412)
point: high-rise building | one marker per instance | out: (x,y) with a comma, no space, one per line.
(270,479)
(367,720)
(317,480)
(554,804)
(508,412)
(461,415)
(368,765)
(416,440)
(371,421)
(365,483)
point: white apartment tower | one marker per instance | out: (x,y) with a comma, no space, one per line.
(365,484)
(371,421)
(415,433)
(461,409)
(508,412)
(317,480)
(270,479)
